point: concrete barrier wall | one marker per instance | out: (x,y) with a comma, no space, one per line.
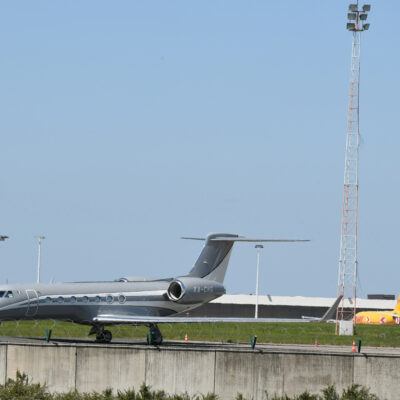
(225,372)
(110,367)
(53,365)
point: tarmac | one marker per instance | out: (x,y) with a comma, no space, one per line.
(212,346)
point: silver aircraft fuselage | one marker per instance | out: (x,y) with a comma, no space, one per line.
(81,302)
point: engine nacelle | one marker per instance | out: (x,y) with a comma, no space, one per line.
(186,290)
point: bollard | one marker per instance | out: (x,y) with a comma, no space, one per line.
(48,333)
(358,345)
(253,341)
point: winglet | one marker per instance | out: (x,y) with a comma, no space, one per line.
(332,310)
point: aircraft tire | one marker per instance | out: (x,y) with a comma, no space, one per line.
(100,337)
(107,336)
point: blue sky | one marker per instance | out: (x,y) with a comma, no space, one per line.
(128,124)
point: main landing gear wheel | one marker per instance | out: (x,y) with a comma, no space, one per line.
(102,336)
(154,335)
(107,337)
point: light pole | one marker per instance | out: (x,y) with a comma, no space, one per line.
(2,239)
(39,239)
(258,247)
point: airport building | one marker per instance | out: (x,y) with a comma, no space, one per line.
(243,306)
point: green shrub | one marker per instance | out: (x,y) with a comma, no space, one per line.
(21,388)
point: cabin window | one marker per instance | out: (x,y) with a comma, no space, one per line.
(97,299)
(85,299)
(47,300)
(9,294)
(2,293)
(72,299)
(109,298)
(60,300)
(121,298)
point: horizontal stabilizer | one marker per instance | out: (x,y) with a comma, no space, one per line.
(114,319)
(244,239)
(214,257)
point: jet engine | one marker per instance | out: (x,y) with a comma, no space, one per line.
(187,290)
(176,290)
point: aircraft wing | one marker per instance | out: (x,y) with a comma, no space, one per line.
(123,319)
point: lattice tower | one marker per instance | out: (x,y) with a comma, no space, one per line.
(348,263)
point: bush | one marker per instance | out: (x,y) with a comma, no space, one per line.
(22,389)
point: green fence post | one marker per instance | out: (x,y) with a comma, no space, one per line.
(253,341)
(359,345)
(48,334)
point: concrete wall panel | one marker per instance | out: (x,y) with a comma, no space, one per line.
(379,374)
(250,374)
(99,368)
(234,373)
(269,372)
(3,364)
(313,372)
(180,371)
(50,365)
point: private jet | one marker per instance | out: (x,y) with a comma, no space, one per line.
(132,301)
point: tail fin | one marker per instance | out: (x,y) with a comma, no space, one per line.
(214,258)
(397,308)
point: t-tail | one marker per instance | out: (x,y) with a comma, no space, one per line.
(214,258)
(397,308)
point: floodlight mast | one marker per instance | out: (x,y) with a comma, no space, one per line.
(39,239)
(348,262)
(258,247)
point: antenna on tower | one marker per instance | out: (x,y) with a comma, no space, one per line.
(348,263)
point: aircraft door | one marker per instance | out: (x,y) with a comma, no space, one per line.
(33,302)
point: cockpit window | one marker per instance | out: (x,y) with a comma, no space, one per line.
(6,294)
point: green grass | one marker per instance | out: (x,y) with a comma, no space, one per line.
(296,333)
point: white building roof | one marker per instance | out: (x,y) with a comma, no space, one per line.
(302,301)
